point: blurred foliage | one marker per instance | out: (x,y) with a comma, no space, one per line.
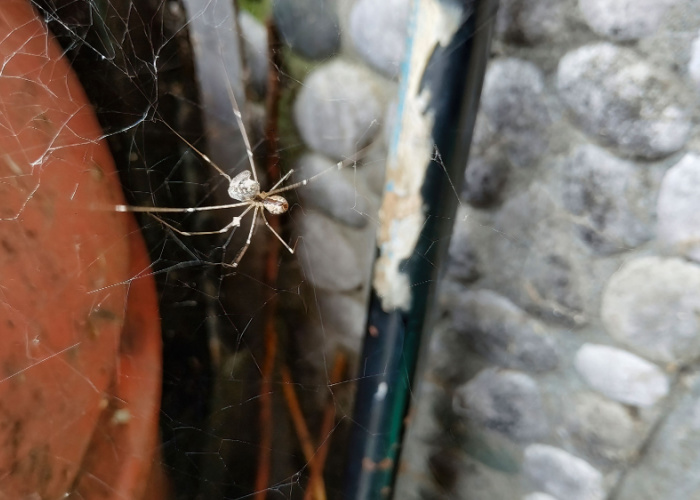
(259,8)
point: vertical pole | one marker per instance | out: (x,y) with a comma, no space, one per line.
(441,84)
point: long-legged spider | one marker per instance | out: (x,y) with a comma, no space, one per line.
(245,189)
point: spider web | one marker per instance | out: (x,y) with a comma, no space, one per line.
(139,72)
(260,363)
(136,61)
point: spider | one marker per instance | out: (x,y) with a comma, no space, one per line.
(245,189)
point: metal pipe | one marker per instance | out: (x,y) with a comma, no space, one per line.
(441,83)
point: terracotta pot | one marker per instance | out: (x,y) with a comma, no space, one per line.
(80,348)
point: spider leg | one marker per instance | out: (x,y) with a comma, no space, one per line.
(338,166)
(291,250)
(129,208)
(236,222)
(243,250)
(284,178)
(204,157)
(241,127)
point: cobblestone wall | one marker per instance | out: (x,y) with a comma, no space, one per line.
(566,363)
(566,367)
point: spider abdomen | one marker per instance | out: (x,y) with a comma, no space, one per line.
(275,204)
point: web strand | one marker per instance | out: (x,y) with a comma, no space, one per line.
(204,157)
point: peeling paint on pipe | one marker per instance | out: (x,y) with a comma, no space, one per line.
(403,213)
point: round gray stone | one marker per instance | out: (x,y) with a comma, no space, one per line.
(310,27)
(621,375)
(512,101)
(624,101)
(603,428)
(529,21)
(553,280)
(668,467)
(254,37)
(694,63)
(624,20)
(610,198)
(484,180)
(562,474)
(538,495)
(502,332)
(345,316)
(651,305)
(327,256)
(528,249)
(391,117)
(463,260)
(337,110)
(504,401)
(678,208)
(379,31)
(333,193)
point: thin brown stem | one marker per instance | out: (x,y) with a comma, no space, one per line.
(262,479)
(272,99)
(302,430)
(318,461)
